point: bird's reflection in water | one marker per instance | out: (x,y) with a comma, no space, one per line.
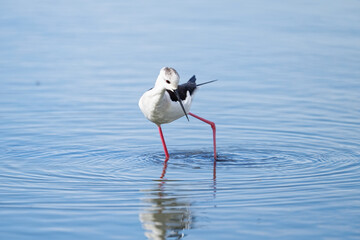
(167,215)
(214,175)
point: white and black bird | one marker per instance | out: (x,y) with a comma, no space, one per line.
(168,101)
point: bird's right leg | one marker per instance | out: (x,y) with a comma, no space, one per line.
(164,144)
(212,124)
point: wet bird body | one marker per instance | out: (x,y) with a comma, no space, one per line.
(168,101)
(161,105)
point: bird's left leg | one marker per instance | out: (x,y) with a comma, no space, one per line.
(212,124)
(164,144)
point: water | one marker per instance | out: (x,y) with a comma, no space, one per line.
(79,161)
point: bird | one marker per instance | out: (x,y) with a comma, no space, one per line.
(168,101)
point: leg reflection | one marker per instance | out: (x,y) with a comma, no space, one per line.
(164,170)
(214,179)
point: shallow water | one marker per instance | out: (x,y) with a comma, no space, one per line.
(78,159)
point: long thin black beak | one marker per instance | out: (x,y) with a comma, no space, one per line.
(182,106)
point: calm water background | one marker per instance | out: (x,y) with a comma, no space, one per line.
(79,161)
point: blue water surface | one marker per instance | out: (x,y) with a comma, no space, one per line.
(78,160)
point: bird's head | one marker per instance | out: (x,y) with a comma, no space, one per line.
(168,78)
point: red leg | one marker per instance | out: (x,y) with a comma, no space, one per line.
(163,143)
(213,128)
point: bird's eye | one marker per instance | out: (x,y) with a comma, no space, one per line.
(167,81)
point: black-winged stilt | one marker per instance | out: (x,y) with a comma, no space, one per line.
(168,101)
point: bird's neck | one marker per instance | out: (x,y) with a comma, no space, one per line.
(159,88)
(158,83)
(157,92)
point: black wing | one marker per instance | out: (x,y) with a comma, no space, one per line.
(183,89)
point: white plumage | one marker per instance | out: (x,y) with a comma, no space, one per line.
(168,101)
(156,103)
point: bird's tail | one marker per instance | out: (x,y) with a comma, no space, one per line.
(192,79)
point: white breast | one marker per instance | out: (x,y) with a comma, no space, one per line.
(159,108)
